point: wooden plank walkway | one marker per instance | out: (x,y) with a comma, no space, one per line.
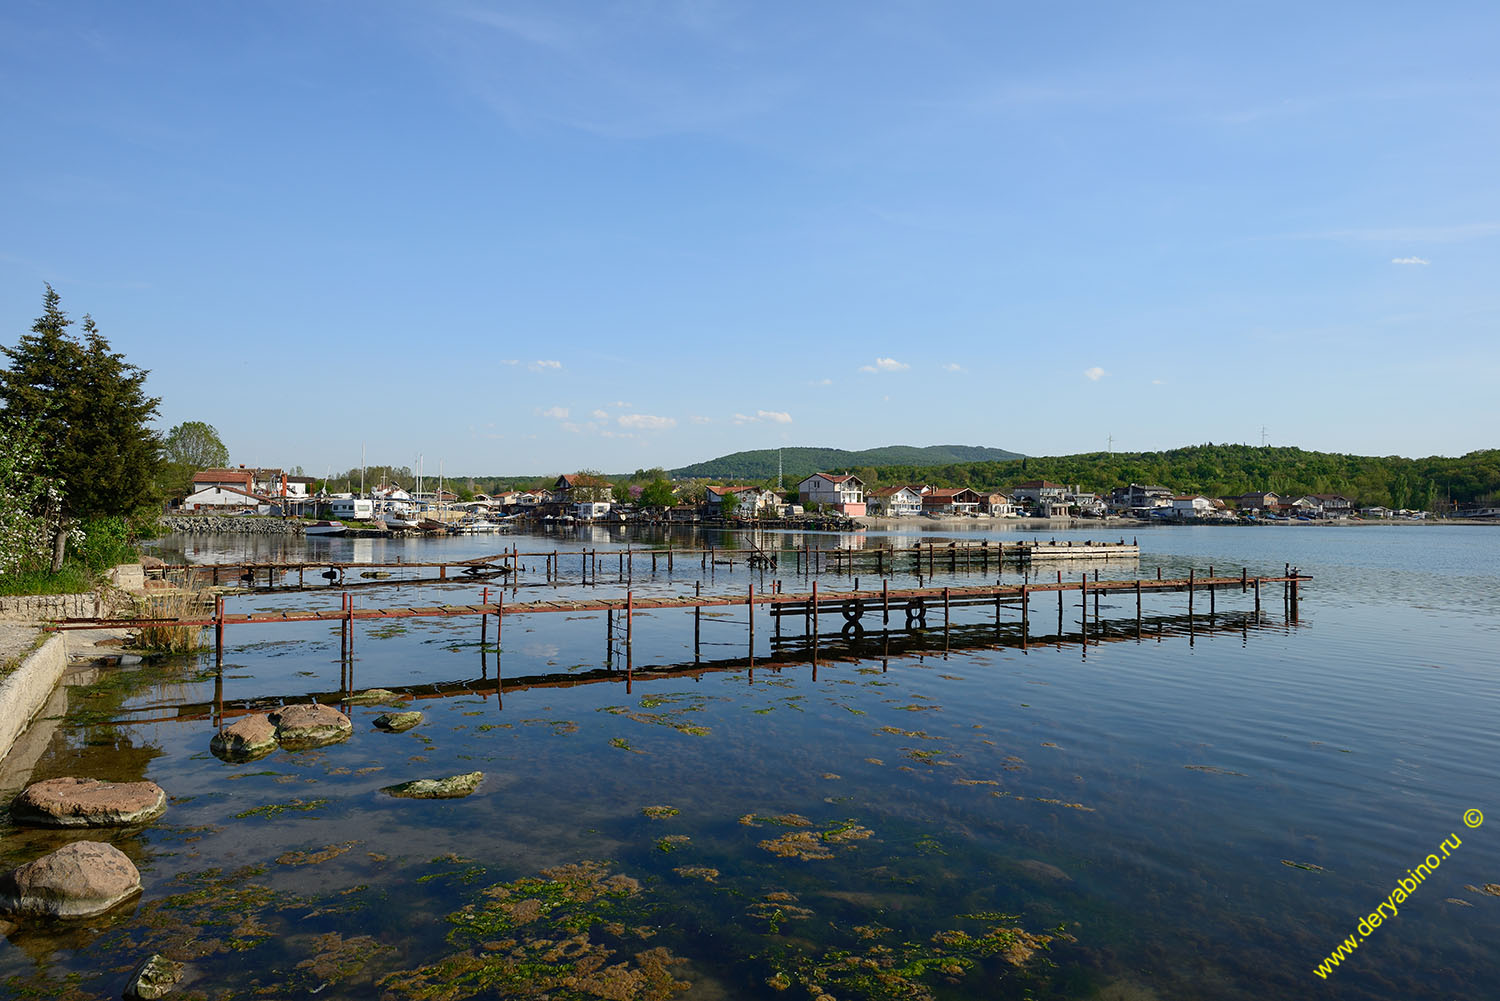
(780,603)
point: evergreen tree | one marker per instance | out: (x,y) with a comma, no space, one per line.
(92,411)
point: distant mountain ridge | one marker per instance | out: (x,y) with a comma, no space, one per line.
(798,462)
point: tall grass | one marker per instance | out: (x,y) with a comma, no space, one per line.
(175,604)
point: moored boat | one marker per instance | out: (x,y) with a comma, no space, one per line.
(324,528)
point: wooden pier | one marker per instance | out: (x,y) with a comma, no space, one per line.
(850,606)
(921,558)
(885,648)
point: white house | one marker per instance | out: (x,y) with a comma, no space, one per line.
(750,502)
(1194,506)
(959,501)
(217,498)
(895,502)
(590,510)
(844,493)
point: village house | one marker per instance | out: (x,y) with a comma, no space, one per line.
(241,479)
(1088,504)
(895,502)
(750,502)
(221,498)
(1033,492)
(1331,505)
(1139,498)
(948,502)
(1254,503)
(1191,506)
(844,492)
(997,505)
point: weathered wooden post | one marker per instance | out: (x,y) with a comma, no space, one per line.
(219,630)
(1244,575)
(629,623)
(697,618)
(945,609)
(349,618)
(1257,599)
(750,604)
(609,636)
(815,614)
(484,619)
(1025,613)
(1083,604)
(1191,574)
(885,601)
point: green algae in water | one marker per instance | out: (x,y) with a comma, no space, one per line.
(273,810)
(570,933)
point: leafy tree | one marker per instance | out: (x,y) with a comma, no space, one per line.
(196,444)
(92,411)
(589,485)
(658,493)
(729,505)
(188,448)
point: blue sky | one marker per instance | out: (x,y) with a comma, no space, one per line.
(536,237)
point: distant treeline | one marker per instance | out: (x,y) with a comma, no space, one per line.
(1231,470)
(1213,470)
(797,462)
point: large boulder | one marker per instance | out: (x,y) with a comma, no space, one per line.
(76,881)
(452,787)
(75,802)
(300,727)
(246,739)
(154,978)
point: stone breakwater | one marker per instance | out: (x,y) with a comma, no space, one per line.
(215,525)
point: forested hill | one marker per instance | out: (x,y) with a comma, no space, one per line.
(799,462)
(1230,470)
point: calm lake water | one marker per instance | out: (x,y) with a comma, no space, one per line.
(1201,809)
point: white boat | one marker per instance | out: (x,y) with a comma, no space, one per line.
(324,528)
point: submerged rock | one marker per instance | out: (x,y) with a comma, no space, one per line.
(397,722)
(77,802)
(300,727)
(372,695)
(76,881)
(246,739)
(154,978)
(449,788)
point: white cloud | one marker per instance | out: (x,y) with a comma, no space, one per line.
(622,405)
(769,416)
(647,422)
(541,365)
(953,366)
(1409,260)
(510,361)
(556,413)
(1158,382)
(571,428)
(885,365)
(599,415)
(821,382)
(696,419)
(1094,374)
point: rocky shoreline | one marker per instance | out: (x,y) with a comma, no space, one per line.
(219,525)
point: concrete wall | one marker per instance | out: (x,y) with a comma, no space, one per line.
(26,689)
